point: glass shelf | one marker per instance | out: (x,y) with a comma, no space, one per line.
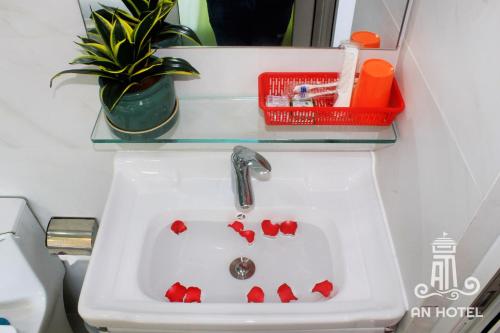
(240,121)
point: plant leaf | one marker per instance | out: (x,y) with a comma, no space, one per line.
(95,72)
(104,28)
(112,92)
(171,31)
(166,9)
(88,39)
(152,4)
(123,49)
(120,13)
(124,52)
(117,34)
(97,49)
(127,28)
(93,34)
(106,14)
(143,30)
(94,60)
(114,72)
(169,66)
(136,7)
(141,62)
(178,64)
(145,71)
(145,50)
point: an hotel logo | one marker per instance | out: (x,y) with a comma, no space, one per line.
(444,273)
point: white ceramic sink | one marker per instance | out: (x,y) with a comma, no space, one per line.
(201,257)
(342,237)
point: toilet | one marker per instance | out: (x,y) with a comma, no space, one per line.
(31,279)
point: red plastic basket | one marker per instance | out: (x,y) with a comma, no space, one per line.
(323,113)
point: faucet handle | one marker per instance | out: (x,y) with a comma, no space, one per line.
(251,158)
(245,159)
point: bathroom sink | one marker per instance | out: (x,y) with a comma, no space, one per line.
(201,257)
(341,237)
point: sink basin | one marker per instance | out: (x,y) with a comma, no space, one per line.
(201,257)
(341,237)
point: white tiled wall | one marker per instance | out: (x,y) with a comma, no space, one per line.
(45,151)
(452,41)
(440,176)
(424,182)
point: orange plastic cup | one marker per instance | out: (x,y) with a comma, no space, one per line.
(366,39)
(374,85)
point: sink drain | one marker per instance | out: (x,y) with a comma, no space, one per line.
(242,268)
(241,216)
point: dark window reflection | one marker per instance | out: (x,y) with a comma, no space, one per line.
(249,22)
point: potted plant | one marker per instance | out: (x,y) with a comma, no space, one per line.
(136,88)
(164,34)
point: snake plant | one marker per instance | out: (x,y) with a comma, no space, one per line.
(121,55)
(140,8)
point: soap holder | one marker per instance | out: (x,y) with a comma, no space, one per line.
(323,113)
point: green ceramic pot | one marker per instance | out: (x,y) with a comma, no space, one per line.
(144,114)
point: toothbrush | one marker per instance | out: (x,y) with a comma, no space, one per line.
(303,88)
(311,95)
(346,82)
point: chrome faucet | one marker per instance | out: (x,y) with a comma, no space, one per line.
(244,160)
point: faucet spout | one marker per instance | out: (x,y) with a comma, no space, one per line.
(245,160)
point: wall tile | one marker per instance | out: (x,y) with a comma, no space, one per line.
(57,181)
(425,184)
(455,45)
(482,232)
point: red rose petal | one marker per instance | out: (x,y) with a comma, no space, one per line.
(193,295)
(176,292)
(249,235)
(288,227)
(178,227)
(325,288)
(286,294)
(270,229)
(237,226)
(255,295)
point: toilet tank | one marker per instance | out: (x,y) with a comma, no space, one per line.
(31,279)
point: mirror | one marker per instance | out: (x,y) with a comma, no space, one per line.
(288,23)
